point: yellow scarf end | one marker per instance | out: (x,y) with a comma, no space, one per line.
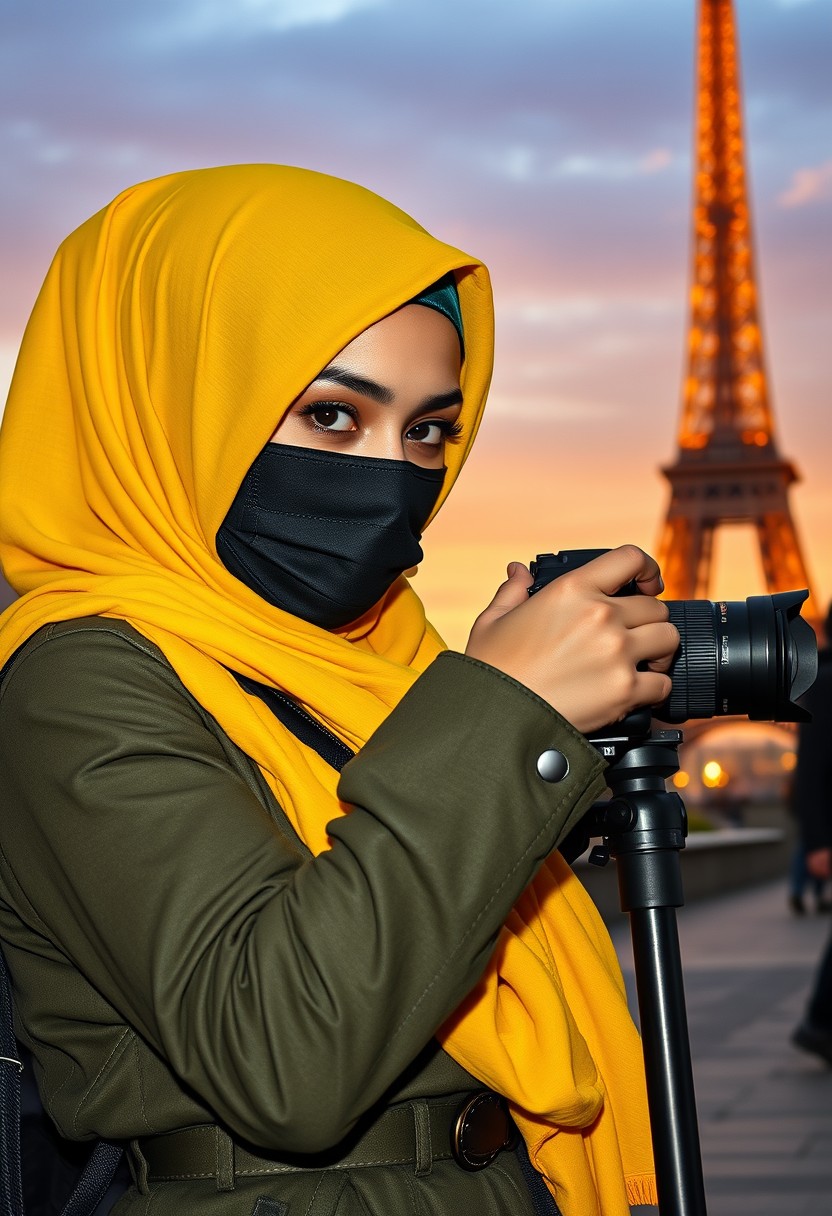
(641,1188)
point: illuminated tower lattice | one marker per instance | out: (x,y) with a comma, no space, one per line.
(728,468)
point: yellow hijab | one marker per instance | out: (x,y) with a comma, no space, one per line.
(172,332)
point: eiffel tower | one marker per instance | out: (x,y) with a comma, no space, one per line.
(728,469)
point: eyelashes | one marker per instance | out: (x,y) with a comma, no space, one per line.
(329,407)
(449,430)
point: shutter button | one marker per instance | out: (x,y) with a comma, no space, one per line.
(552,765)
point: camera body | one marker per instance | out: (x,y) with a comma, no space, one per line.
(753,658)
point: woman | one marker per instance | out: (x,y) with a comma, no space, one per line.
(241,395)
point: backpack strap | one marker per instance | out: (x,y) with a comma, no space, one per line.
(95,1181)
(11,1066)
(302,725)
(100,1169)
(101,1166)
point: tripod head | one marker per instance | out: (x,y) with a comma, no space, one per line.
(643,825)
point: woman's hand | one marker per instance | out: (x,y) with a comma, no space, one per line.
(575,645)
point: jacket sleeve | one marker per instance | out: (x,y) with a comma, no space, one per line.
(287,992)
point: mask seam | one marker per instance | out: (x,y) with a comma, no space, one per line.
(376,464)
(334,519)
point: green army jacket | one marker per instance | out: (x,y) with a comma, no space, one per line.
(178,957)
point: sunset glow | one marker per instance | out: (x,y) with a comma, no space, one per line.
(552,140)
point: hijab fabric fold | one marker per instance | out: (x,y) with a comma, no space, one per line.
(173,330)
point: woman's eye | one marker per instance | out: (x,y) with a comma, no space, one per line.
(332,418)
(431,433)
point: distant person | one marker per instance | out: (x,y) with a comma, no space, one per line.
(813,805)
(802,881)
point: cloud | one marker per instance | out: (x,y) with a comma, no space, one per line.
(285,14)
(552,408)
(655,160)
(527,163)
(43,144)
(553,140)
(614,167)
(808,186)
(565,312)
(245,18)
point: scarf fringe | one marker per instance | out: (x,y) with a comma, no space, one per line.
(641,1189)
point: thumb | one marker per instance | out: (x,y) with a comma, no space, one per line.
(512,593)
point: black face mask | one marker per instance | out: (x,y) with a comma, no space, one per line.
(323,535)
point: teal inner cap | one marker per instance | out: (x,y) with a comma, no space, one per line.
(444,297)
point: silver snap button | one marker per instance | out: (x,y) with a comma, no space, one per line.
(552,765)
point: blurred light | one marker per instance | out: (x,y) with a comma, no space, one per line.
(681,779)
(714,775)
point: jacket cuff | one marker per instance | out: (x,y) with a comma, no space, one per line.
(466,733)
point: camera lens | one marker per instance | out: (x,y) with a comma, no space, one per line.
(754,658)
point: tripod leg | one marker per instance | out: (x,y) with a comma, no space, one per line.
(667,1061)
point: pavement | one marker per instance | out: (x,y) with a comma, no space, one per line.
(764,1108)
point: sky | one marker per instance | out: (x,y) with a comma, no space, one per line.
(550,138)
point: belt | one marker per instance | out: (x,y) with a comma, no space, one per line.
(472,1132)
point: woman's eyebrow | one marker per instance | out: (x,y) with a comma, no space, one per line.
(443,401)
(379,392)
(359,384)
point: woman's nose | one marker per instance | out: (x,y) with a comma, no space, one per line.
(385,443)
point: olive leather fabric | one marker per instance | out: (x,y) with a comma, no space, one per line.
(178,956)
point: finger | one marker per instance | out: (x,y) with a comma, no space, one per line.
(612,570)
(652,687)
(652,584)
(513,592)
(636,610)
(655,645)
(518,570)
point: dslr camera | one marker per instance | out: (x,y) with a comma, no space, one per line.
(754,658)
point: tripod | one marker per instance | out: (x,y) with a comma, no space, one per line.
(643,827)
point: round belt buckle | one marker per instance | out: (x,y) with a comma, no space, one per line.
(483,1128)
